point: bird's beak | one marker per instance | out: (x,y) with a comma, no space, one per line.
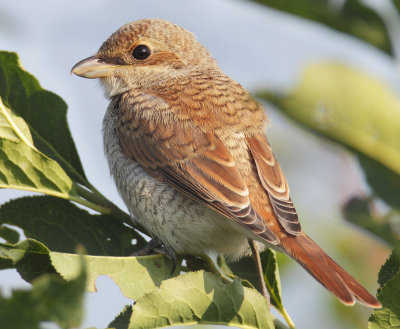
(93,67)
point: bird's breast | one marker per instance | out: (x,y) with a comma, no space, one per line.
(180,222)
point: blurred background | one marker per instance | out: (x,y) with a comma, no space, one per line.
(321,65)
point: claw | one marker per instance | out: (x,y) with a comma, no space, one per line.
(149,248)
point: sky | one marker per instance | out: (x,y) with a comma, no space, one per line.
(257,47)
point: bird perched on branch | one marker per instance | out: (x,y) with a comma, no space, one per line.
(186,147)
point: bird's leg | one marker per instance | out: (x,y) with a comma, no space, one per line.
(212,259)
(155,246)
(260,273)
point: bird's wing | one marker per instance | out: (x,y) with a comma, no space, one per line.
(274,182)
(194,162)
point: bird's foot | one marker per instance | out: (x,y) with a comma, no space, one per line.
(155,246)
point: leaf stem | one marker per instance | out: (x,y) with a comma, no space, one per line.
(98,199)
(287,318)
(91,205)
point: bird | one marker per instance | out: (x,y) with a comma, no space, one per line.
(187,149)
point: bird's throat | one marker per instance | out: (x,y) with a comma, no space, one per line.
(113,86)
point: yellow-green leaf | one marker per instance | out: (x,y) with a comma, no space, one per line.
(201,298)
(43,111)
(25,168)
(348,106)
(135,276)
(13,127)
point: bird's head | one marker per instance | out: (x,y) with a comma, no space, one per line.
(143,54)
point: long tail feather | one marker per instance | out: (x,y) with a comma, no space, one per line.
(327,271)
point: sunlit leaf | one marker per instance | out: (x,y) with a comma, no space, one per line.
(201,298)
(23,95)
(12,126)
(135,276)
(25,168)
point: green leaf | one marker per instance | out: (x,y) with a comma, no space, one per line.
(353,17)
(135,276)
(349,107)
(389,277)
(8,234)
(384,181)
(123,318)
(30,258)
(272,278)
(357,211)
(245,269)
(50,299)
(44,113)
(22,166)
(25,168)
(201,298)
(391,266)
(13,127)
(62,226)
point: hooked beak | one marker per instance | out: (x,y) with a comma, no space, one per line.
(93,67)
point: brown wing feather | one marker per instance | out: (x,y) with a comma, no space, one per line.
(274,182)
(195,163)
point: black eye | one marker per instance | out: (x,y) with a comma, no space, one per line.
(141,52)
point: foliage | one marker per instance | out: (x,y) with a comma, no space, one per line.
(199,296)
(389,292)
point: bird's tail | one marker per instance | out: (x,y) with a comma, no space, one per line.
(327,271)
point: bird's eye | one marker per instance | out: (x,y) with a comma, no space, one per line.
(141,52)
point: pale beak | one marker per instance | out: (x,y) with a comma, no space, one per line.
(93,67)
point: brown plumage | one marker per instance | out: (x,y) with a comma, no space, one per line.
(187,149)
